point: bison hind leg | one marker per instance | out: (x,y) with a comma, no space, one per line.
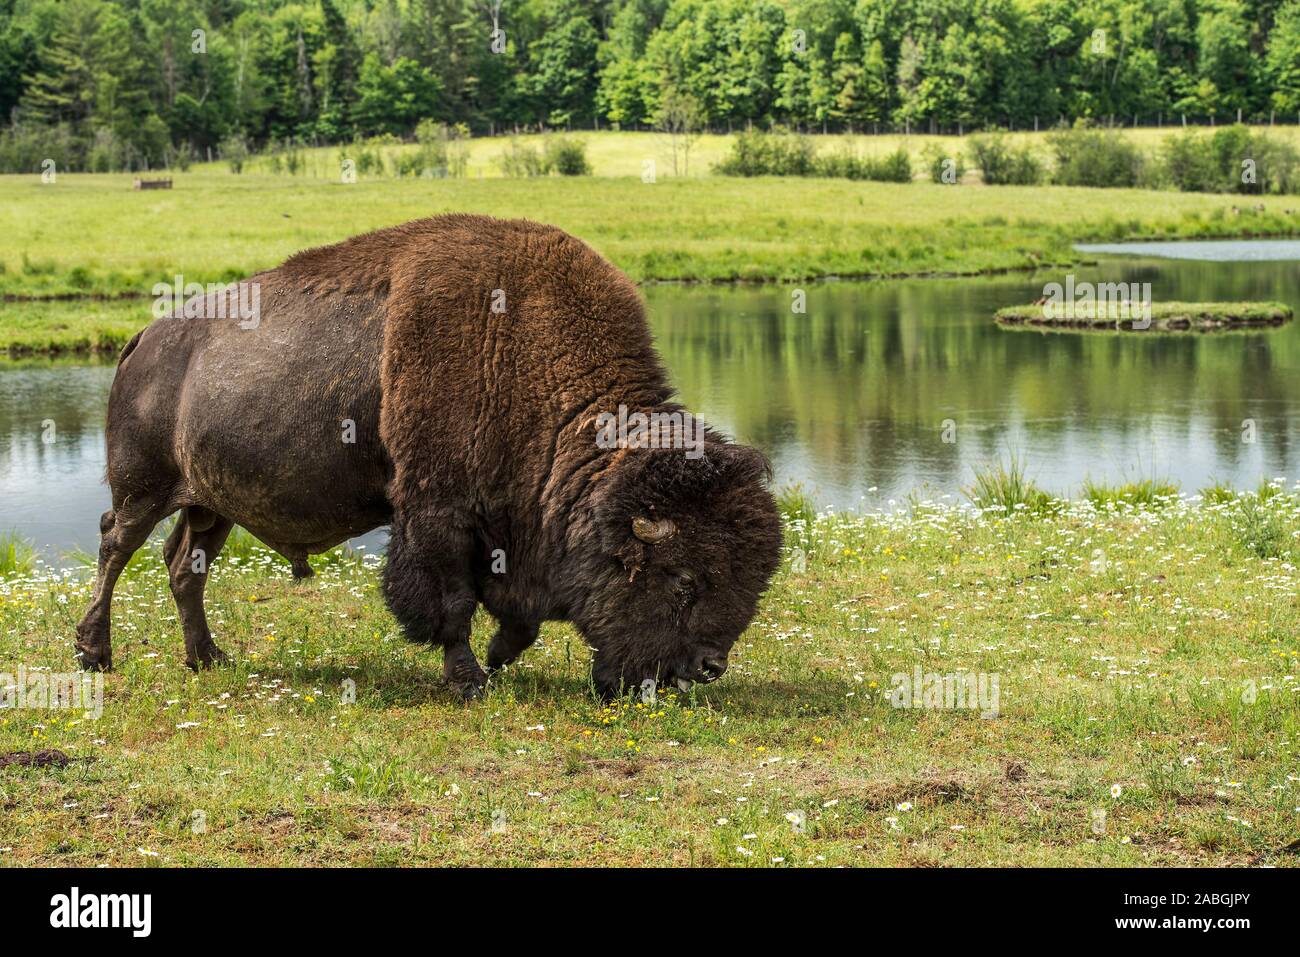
(190,550)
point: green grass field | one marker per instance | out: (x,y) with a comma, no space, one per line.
(1146,651)
(92,235)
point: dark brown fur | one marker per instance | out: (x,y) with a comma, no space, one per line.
(475,441)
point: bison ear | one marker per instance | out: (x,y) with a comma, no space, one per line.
(740,463)
(653,532)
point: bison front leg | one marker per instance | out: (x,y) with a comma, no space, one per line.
(512,639)
(428,588)
(122,531)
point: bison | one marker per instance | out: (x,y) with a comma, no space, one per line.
(450,378)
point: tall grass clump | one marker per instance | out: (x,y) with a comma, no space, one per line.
(1006,487)
(17,557)
(796,506)
(1220,493)
(1001,164)
(1260,530)
(1146,492)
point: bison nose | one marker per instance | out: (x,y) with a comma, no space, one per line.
(713,668)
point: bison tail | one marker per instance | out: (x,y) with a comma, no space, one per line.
(130,347)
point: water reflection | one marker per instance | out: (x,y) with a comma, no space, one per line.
(851,397)
(854,395)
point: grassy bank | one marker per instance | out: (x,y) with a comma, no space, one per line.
(1146,652)
(1164,316)
(80,326)
(94,236)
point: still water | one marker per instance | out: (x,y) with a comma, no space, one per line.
(852,396)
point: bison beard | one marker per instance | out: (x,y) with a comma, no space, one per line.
(444,378)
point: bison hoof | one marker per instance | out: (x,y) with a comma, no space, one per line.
(469,683)
(209,657)
(472,692)
(95,659)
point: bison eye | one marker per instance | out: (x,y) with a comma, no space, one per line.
(683,581)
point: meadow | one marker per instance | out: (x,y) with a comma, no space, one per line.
(1145,647)
(88,236)
(625,153)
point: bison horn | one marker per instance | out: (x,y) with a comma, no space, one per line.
(652,533)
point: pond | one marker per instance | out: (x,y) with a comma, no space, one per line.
(855,397)
(1207,250)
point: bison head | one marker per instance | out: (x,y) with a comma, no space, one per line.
(676,552)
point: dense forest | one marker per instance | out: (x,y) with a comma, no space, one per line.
(114,84)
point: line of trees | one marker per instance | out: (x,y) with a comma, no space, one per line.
(131,83)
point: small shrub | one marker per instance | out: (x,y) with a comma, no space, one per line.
(775,153)
(940,162)
(23,149)
(1188,164)
(566,156)
(1277,166)
(1230,160)
(370,160)
(106,153)
(288,157)
(896,167)
(441,152)
(520,160)
(234,150)
(1001,164)
(38,267)
(1098,158)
